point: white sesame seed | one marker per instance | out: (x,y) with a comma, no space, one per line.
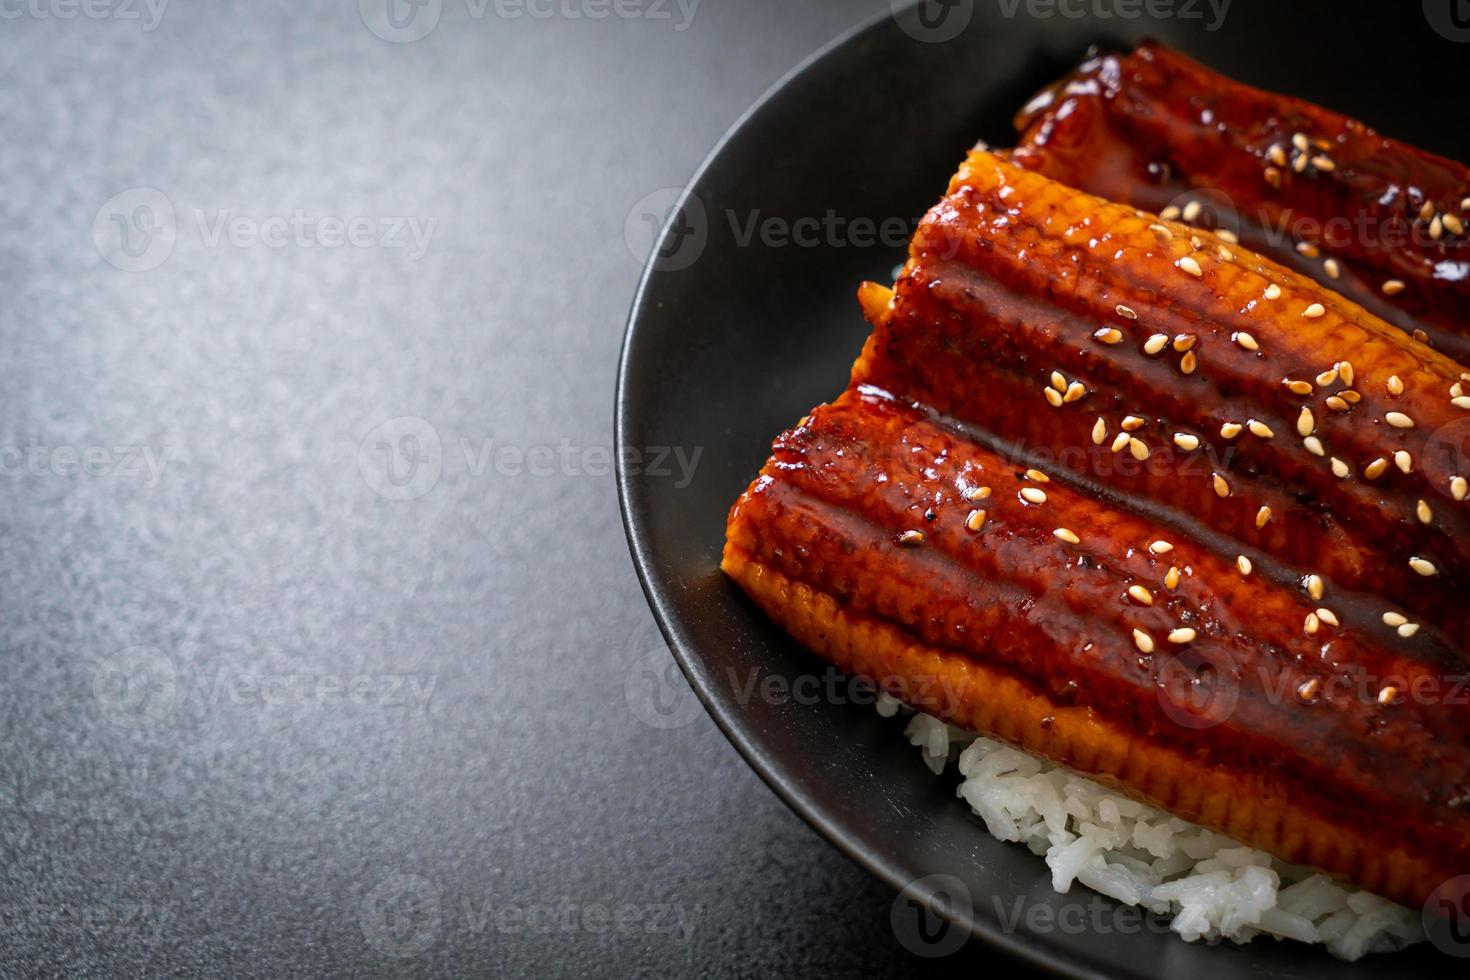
(1141,595)
(1246,340)
(1408,629)
(1375,469)
(1424,513)
(1307,690)
(1459,487)
(1388,695)
(1461,402)
(1393,287)
(1299,140)
(1162,232)
(1314,311)
(1394,619)
(1182,635)
(1328,616)
(1225,254)
(1109,335)
(1099,431)
(1156,343)
(1191,211)
(1244,564)
(1058,381)
(1276,155)
(976,520)
(1337,403)
(1226,235)
(1263,516)
(1038,476)
(1457,389)
(1314,446)
(911,539)
(1138,449)
(1075,390)
(1143,641)
(1427,211)
(1298,387)
(1345,371)
(1171,578)
(1067,536)
(1395,385)
(1423,566)
(977,493)
(1231,429)
(1161,547)
(1033,495)
(1306,422)
(1133,422)
(1315,586)
(1126,312)
(1273,291)
(1308,249)
(1323,163)
(1465,204)
(1184,342)
(1312,623)
(1436,228)
(1326,377)
(1453,223)
(1189,265)
(1260,429)
(1222,489)
(1185,441)
(1053,397)
(1171,213)
(1340,469)
(1188,362)
(1331,268)
(1399,420)
(1403,461)
(1120,442)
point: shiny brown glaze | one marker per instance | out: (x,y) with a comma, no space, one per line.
(1154,128)
(859,535)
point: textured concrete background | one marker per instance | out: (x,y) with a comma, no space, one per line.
(316,607)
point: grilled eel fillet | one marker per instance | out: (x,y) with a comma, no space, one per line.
(1072,572)
(1380,221)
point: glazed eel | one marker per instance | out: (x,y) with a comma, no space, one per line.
(1380,221)
(1153,507)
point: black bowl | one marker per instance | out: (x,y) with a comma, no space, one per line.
(746,318)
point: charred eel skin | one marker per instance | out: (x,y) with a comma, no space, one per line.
(1383,222)
(953,532)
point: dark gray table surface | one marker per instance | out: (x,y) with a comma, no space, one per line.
(317,610)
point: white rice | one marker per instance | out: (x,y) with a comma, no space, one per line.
(1209,885)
